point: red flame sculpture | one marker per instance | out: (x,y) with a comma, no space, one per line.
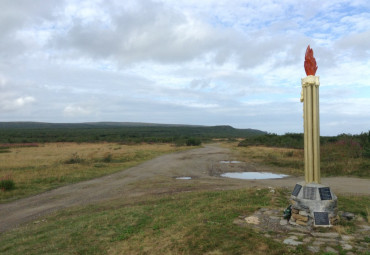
(310,65)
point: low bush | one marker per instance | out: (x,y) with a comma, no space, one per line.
(7,183)
(193,142)
(74,159)
(107,157)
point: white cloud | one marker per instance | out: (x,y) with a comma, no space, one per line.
(76,111)
(7,104)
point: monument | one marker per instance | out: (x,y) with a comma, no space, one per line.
(313,204)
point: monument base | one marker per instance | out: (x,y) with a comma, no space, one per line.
(313,205)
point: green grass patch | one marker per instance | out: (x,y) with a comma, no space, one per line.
(359,205)
(192,223)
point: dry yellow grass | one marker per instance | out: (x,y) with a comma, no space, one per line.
(36,169)
(285,160)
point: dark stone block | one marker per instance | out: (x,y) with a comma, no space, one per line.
(321,218)
(296,190)
(325,193)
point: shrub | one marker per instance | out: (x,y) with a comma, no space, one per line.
(193,142)
(289,154)
(7,183)
(179,142)
(74,159)
(366,152)
(107,157)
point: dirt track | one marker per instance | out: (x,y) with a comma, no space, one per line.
(157,176)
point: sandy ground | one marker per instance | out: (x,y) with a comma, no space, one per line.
(158,176)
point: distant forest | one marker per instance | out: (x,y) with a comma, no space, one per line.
(35,132)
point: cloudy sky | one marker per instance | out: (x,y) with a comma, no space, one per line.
(221,62)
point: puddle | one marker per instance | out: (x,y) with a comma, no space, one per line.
(183,178)
(230,162)
(253,175)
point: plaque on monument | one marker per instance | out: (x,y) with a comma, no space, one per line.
(321,218)
(309,193)
(296,190)
(325,193)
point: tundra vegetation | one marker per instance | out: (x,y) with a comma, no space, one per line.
(38,158)
(342,155)
(37,168)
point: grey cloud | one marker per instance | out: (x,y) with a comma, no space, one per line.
(147,33)
(200,83)
(358,44)
(17,15)
(161,34)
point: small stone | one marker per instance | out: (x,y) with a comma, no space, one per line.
(293,228)
(292,222)
(317,243)
(289,241)
(329,249)
(302,223)
(307,239)
(252,220)
(299,217)
(348,215)
(293,237)
(347,247)
(303,213)
(328,235)
(365,227)
(327,241)
(313,249)
(296,234)
(295,210)
(283,222)
(269,212)
(347,237)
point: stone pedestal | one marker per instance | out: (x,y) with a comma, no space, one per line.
(313,205)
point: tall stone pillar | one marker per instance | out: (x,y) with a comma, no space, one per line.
(310,91)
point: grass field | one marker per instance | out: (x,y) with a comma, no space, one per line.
(36,169)
(187,223)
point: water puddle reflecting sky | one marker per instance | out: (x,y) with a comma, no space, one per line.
(183,178)
(253,175)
